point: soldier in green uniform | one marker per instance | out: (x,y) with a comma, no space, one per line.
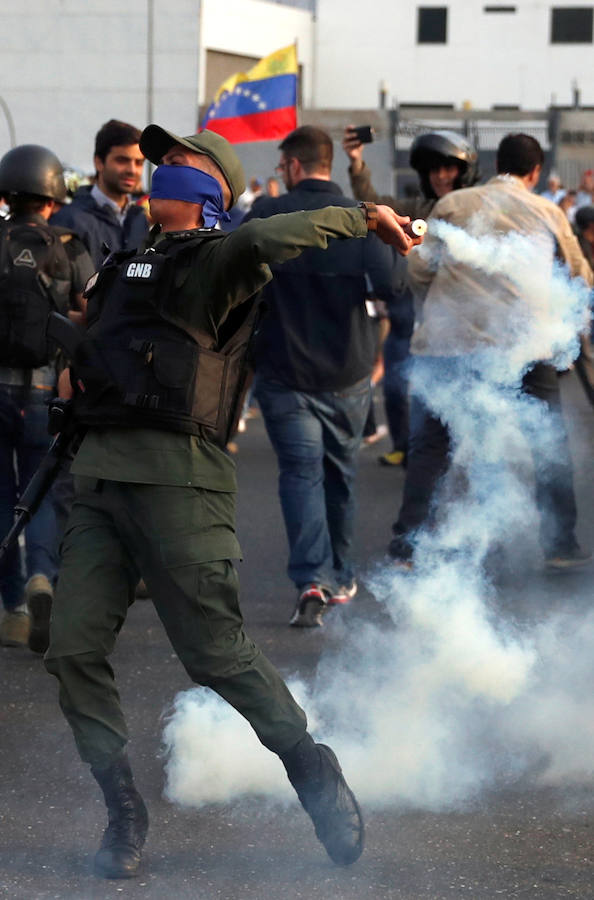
(156,381)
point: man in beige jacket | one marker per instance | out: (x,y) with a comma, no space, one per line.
(470,307)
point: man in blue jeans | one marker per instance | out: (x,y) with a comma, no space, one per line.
(314,355)
(23,434)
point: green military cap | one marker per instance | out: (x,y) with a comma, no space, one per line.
(155,142)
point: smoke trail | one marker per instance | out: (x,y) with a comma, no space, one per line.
(451,696)
(213,754)
(543,311)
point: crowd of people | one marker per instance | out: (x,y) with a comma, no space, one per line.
(167,300)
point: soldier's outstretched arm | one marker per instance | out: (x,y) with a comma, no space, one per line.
(234,269)
(282,237)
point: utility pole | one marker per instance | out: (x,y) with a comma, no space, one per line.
(9,122)
(150,31)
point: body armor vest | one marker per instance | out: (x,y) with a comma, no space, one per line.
(35,278)
(139,366)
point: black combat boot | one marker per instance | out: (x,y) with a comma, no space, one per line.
(316,775)
(124,837)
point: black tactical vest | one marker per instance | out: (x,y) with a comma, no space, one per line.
(35,278)
(139,367)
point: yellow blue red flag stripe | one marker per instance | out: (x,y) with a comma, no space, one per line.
(260,104)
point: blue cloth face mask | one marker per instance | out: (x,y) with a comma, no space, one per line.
(193,186)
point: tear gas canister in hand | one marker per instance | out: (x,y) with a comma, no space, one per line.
(416,228)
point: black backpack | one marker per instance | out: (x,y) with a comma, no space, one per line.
(34,280)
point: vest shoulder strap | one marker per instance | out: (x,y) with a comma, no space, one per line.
(182,241)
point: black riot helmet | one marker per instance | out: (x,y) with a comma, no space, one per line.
(436,148)
(584,217)
(31,169)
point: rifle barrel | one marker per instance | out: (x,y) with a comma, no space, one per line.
(38,487)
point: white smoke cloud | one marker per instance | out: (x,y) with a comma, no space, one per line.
(214,756)
(448,696)
(549,311)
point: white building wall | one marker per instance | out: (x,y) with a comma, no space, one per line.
(70,65)
(257,28)
(489,59)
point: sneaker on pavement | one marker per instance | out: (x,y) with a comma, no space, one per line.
(310,608)
(315,773)
(400,553)
(39,595)
(343,595)
(574,558)
(14,628)
(395,458)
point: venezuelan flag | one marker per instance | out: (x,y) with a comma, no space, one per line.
(258,105)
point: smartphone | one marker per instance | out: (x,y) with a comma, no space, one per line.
(364,133)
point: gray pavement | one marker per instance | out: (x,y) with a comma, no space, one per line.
(519,837)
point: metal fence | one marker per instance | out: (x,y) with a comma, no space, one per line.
(483,133)
(570,172)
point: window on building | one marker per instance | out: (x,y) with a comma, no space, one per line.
(432,24)
(571,24)
(499,9)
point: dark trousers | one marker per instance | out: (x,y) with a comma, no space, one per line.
(553,473)
(397,364)
(180,540)
(24,441)
(428,461)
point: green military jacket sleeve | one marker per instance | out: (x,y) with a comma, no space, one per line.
(228,271)
(220,275)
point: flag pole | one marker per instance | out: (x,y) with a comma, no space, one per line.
(297,104)
(201,68)
(150,76)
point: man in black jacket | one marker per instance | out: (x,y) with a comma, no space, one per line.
(105,213)
(314,354)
